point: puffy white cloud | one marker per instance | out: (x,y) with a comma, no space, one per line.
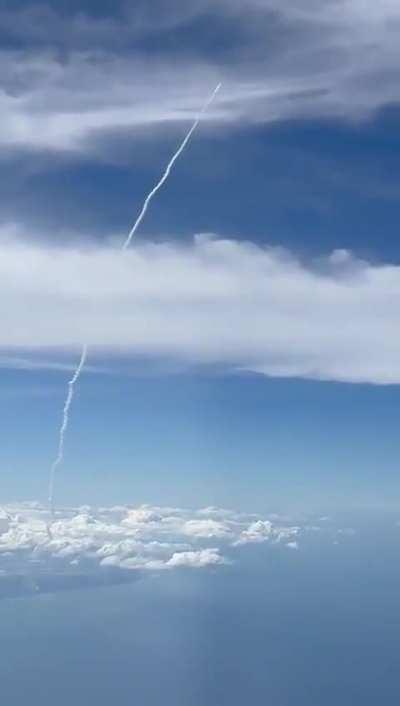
(264,531)
(141,515)
(206,528)
(258,531)
(196,559)
(129,538)
(213,301)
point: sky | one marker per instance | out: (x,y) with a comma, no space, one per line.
(225,519)
(244,351)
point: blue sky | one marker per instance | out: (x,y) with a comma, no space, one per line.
(256,368)
(225,523)
(230,440)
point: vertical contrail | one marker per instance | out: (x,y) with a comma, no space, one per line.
(125,245)
(64,425)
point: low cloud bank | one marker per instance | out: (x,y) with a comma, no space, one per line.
(125,537)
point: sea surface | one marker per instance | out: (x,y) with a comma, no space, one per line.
(317,626)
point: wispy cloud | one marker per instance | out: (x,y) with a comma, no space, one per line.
(211,302)
(281,60)
(36,361)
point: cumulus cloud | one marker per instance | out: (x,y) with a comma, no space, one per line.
(211,302)
(206,528)
(264,531)
(126,538)
(203,557)
(285,60)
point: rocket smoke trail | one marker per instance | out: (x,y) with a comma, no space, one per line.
(64,425)
(71,384)
(168,169)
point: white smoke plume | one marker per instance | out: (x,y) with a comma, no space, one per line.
(64,425)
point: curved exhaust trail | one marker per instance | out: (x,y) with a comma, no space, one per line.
(71,384)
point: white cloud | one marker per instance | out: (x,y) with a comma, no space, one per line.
(144,537)
(48,105)
(258,531)
(264,531)
(196,559)
(216,512)
(295,59)
(206,528)
(213,301)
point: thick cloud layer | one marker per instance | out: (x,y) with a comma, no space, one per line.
(214,301)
